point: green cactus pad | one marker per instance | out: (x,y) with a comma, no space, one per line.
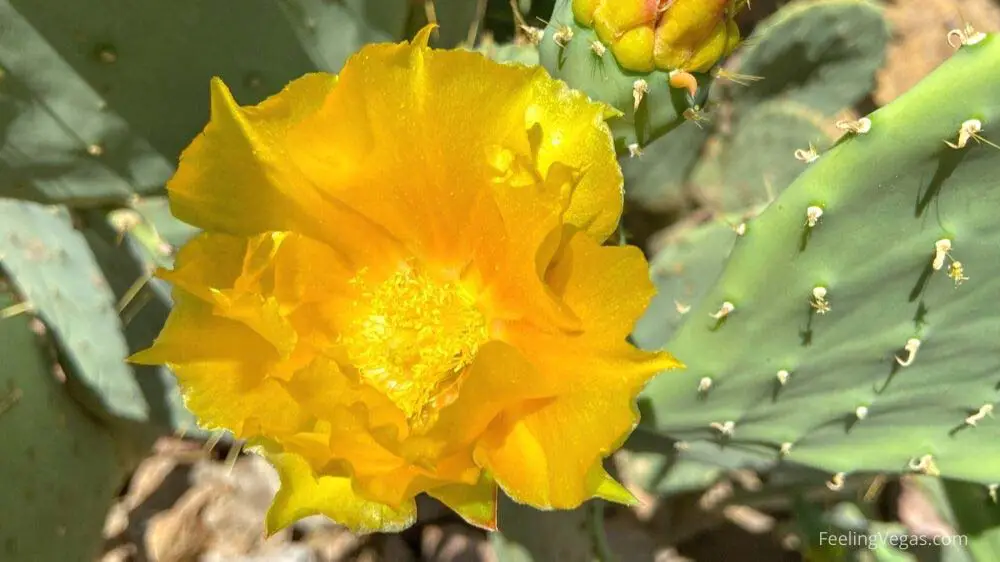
(519,53)
(657,179)
(682,271)
(60,468)
(55,268)
(603,79)
(820,53)
(887,196)
(50,263)
(757,160)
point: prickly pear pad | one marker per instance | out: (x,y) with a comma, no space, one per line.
(855,326)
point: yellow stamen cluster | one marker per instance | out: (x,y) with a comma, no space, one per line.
(411,336)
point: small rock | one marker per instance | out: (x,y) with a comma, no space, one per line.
(235,520)
(286,553)
(123,553)
(148,479)
(394,549)
(313,524)
(116,521)
(385,548)
(179,535)
(333,544)
(454,543)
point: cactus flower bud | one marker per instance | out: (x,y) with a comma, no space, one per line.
(688,35)
(650,59)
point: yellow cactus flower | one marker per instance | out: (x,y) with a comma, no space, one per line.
(401,288)
(648,35)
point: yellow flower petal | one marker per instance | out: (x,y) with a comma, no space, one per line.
(499,379)
(243,157)
(508,272)
(222,366)
(604,486)
(303,493)
(540,455)
(322,389)
(208,261)
(543,459)
(419,179)
(237,157)
(307,272)
(477,503)
(606,287)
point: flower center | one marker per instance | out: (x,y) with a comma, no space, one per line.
(411,337)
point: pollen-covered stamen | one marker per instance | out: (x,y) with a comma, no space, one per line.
(411,336)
